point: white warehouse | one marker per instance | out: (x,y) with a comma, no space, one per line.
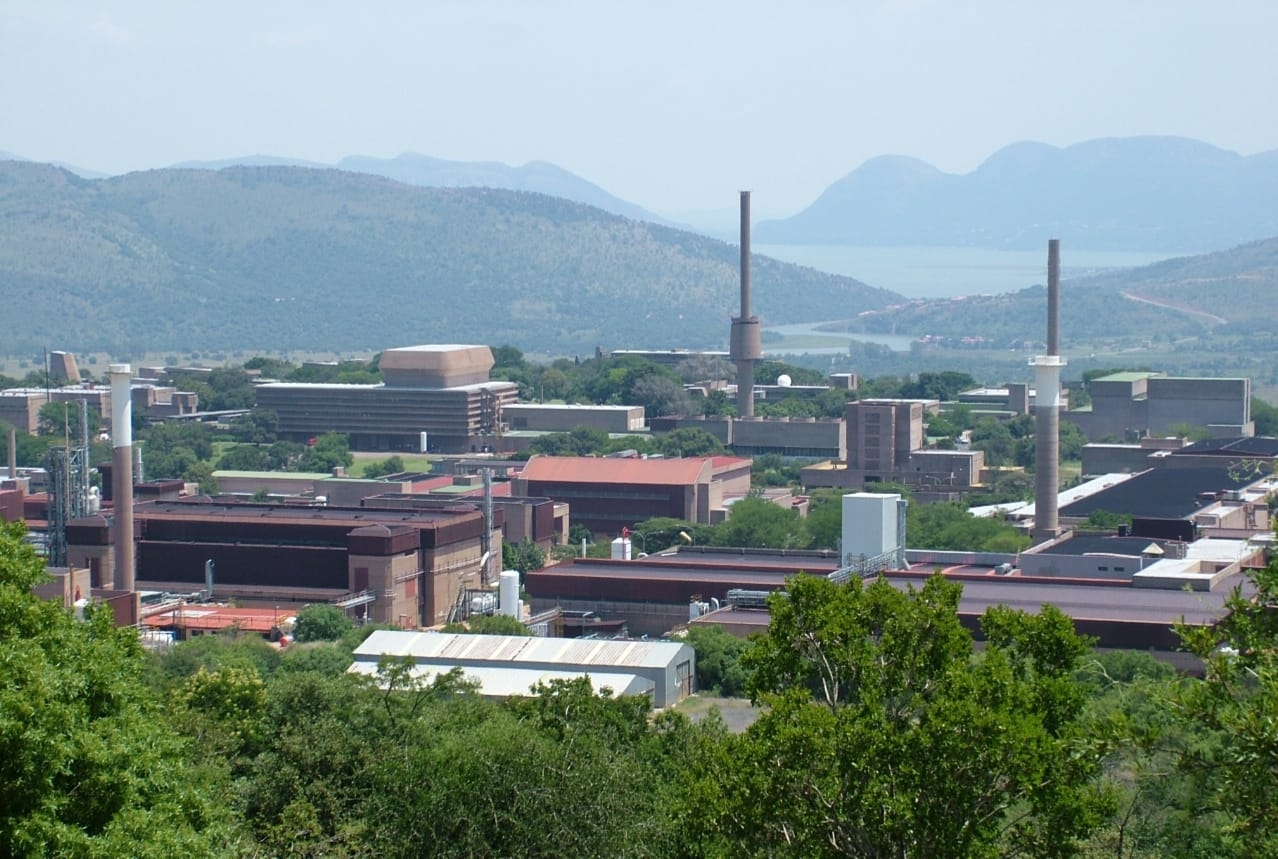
(505,665)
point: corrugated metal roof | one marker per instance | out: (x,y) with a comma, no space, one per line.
(589,469)
(463,647)
(504,681)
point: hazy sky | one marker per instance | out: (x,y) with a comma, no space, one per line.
(672,105)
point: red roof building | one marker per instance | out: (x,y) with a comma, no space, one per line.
(606,494)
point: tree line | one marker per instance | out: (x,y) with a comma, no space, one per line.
(881,731)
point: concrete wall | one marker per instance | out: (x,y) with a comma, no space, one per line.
(565,418)
(1114,458)
(797,437)
(1199,402)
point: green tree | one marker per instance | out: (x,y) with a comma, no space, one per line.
(582,441)
(490,624)
(321,622)
(689,441)
(758,523)
(260,426)
(331,450)
(718,403)
(389,465)
(1238,700)
(63,420)
(825,518)
(523,556)
(719,668)
(995,438)
(1265,417)
(948,525)
(766,373)
(885,734)
(659,394)
(242,457)
(88,766)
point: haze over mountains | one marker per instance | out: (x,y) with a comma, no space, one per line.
(1138,193)
(266,258)
(1135,194)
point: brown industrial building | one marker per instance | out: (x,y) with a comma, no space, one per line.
(436,397)
(660,592)
(606,494)
(885,444)
(407,566)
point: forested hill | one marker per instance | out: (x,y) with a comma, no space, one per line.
(294,258)
(1136,193)
(1209,313)
(413,169)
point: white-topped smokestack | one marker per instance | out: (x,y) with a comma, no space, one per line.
(121,376)
(746,345)
(1047,408)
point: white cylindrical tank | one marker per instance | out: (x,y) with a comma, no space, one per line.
(508,590)
(869,525)
(621,549)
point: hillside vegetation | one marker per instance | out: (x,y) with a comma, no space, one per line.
(414,169)
(281,258)
(1212,313)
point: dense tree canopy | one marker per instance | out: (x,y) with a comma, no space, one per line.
(887,735)
(86,767)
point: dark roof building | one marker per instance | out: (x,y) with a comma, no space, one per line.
(407,566)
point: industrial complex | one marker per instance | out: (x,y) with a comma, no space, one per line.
(417,551)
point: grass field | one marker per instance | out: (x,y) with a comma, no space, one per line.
(412,462)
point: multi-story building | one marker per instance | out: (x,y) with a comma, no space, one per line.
(435,398)
(885,444)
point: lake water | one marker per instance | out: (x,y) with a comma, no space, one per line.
(943,272)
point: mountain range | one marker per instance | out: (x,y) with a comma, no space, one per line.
(1136,193)
(296,258)
(540,177)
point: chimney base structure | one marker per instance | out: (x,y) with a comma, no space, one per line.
(746,346)
(1047,409)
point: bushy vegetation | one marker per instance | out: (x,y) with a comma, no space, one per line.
(882,731)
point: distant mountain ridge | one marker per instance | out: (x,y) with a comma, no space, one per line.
(1136,193)
(540,177)
(280,257)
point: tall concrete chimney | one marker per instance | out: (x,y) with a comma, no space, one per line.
(1047,408)
(121,376)
(747,343)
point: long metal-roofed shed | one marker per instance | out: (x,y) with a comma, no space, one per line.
(506,665)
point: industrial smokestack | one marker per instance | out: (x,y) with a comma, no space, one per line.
(121,376)
(745,254)
(1053,296)
(1047,408)
(747,344)
(13,453)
